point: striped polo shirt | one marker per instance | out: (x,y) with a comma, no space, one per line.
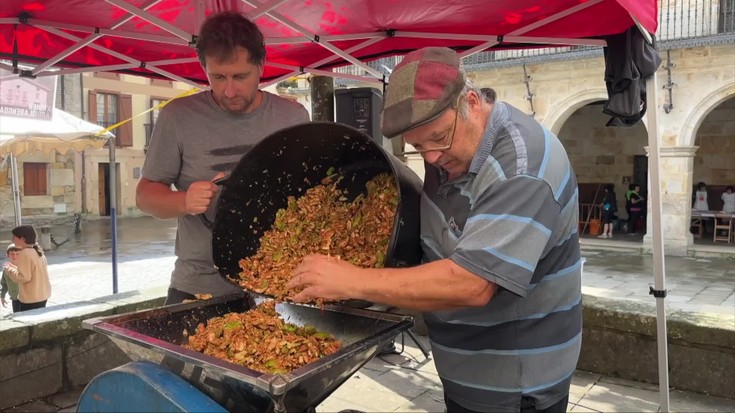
(512,220)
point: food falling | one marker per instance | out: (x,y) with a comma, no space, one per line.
(323,221)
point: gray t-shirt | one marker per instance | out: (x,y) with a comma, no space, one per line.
(193,140)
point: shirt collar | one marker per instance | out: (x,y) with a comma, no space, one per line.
(499,115)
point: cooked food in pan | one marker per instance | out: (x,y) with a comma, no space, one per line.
(260,340)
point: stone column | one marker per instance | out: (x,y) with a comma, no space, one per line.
(677,166)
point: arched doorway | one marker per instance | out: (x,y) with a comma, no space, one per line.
(601,155)
(714,162)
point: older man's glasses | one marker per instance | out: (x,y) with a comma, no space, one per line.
(440,145)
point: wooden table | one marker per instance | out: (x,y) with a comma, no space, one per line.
(723,224)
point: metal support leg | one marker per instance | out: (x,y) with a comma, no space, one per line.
(415,339)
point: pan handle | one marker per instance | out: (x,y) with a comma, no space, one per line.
(205,221)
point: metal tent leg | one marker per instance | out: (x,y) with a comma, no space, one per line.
(415,339)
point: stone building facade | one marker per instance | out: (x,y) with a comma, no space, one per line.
(80,182)
(696,123)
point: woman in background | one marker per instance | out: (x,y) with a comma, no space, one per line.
(30,269)
(634,203)
(700,198)
(728,200)
(609,208)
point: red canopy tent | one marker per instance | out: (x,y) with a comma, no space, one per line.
(154,38)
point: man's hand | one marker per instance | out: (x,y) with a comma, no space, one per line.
(5,303)
(200,194)
(326,277)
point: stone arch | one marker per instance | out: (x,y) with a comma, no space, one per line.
(701,110)
(561,112)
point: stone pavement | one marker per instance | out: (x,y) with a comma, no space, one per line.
(695,285)
(81,269)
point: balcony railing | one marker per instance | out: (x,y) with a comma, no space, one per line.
(687,19)
(384,65)
(679,20)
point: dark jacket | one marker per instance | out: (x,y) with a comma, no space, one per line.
(629,61)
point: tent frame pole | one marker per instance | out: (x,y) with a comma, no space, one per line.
(113,212)
(530,27)
(659,264)
(325,44)
(120,56)
(15,189)
(87,40)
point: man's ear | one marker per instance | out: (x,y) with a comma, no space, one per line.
(473,100)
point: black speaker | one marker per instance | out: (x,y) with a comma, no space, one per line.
(360,108)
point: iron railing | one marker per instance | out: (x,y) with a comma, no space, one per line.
(688,19)
(679,20)
(384,65)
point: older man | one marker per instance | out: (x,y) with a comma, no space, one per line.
(500,286)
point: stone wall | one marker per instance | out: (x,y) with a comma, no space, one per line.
(46,351)
(600,154)
(62,188)
(43,352)
(702,79)
(715,160)
(619,340)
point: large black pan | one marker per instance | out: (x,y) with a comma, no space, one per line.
(290,161)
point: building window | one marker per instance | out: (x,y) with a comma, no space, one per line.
(34,179)
(152,118)
(727,16)
(106,109)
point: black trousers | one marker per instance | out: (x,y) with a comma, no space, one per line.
(527,406)
(175,296)
(16,305)
(633,220)
(31,306)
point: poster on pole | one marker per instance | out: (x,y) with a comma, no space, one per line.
(25,97)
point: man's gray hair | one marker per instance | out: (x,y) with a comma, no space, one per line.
(469,86)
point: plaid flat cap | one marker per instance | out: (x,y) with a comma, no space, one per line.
(422,86)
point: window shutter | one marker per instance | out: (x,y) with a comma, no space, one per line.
(34,179)
(125,131)
(92,107)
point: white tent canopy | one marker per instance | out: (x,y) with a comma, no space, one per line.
(64,132)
